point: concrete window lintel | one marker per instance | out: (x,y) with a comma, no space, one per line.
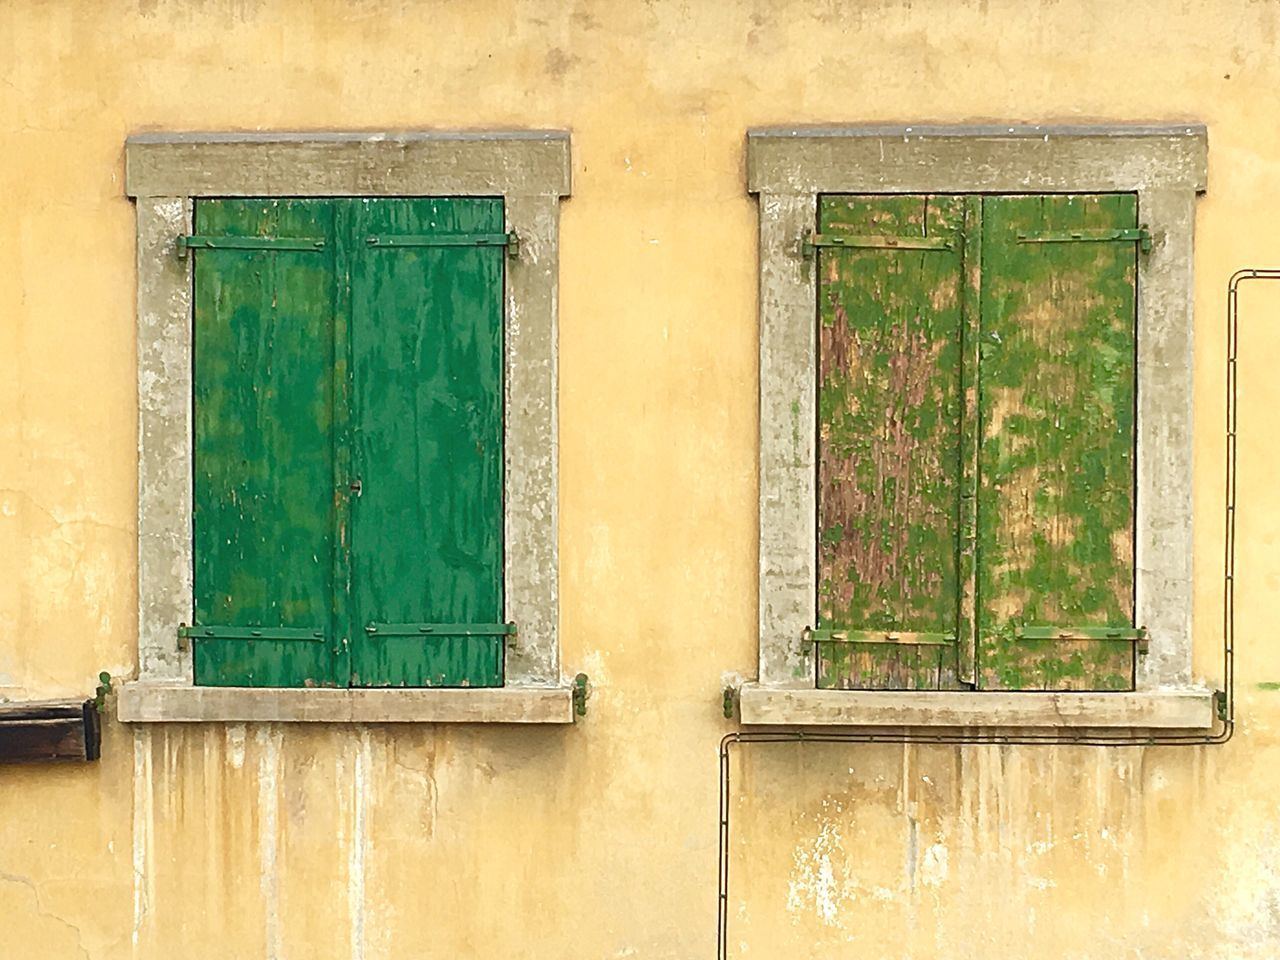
(165,173)
(789,167)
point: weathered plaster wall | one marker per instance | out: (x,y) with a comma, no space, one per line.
(599,841)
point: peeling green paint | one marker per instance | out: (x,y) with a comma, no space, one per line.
(1056,402)
(976,441)
(888,438)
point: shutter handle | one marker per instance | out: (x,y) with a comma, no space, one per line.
(357,487)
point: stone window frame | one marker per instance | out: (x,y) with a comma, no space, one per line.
(789,168)
(165,174)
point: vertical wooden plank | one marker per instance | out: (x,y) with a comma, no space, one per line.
(427,347)
(1056,498)
(263,461)
(886,666)
(346,629)
(889,406)
(970,439)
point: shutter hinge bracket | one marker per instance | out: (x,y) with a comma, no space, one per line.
(1139,235)
(386,241)
(189,242)
(1136,635)
(441,629)
(908,637)
(186,634)
(810,242)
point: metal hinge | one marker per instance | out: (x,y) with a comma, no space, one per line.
(1140,235)
(441,629)
(1136,635)
(811,242)
(394,241)
(916,638)
(187,634)
(581,690)
(209,242)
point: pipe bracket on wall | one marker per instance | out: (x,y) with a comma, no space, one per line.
(581,690)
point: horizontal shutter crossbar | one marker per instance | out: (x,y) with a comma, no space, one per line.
(876,242)
(250,633)
(906,637)
(209,242)
(442,240)
(441,629)
(1127,634)
(1140,235)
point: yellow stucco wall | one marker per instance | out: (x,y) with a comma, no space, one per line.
(599,841)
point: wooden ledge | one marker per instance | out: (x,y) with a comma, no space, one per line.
(36,730)
(144,702)
(1190,709)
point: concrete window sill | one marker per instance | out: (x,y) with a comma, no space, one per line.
(143,702)
(1187,709)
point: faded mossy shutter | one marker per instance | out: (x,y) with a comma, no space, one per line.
(891,309)
(1056,498)
(263,457)
(427,351)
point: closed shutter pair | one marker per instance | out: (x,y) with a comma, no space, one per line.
(976,441)
(348,403)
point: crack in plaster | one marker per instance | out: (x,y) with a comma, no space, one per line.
(25,881)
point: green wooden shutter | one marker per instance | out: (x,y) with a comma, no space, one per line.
(891,308)
(263,457)
(1056,499)
(348,442)
(427,351)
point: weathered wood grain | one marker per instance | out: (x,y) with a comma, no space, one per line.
(49,730)
(1057,404)
(889,408)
